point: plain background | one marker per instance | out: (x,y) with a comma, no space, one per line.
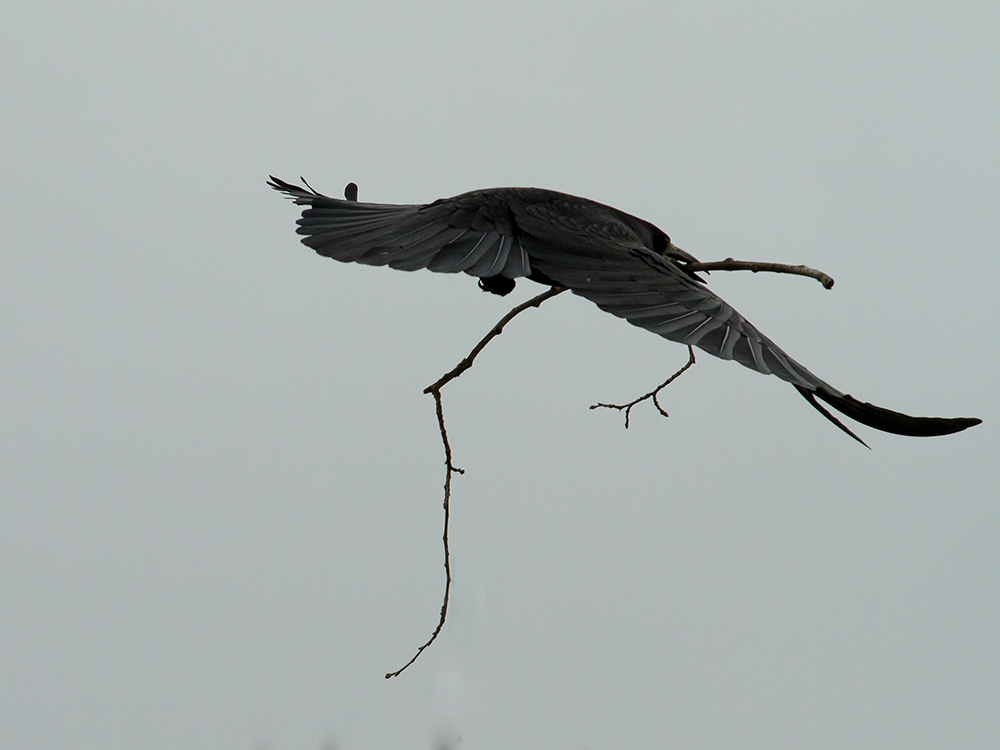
(220,483)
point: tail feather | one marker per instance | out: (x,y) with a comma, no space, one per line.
(883,419)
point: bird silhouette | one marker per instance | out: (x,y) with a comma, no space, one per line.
(625,265)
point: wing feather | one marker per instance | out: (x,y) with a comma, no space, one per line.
(460,254)
(491,263)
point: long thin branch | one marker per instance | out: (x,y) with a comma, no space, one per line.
(450,468)
(435,390)
(756,266)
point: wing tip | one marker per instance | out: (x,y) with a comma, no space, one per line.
(301,195)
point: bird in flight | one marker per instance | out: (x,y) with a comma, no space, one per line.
(625,265)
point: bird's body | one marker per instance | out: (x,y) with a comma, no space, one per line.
(625,265)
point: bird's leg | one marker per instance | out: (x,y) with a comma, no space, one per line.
(499,285)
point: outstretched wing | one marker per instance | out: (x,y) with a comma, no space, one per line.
(450,236)
(623,264)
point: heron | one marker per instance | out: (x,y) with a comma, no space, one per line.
(625,265)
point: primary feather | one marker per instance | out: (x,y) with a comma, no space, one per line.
(623,264)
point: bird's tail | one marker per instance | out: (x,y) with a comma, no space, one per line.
(883,419)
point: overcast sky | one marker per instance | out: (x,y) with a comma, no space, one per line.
(220,483)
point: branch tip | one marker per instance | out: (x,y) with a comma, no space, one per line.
(730,264)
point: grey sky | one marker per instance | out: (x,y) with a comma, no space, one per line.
(220,483)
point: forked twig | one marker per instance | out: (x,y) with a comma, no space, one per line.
(627,408)
(450,468)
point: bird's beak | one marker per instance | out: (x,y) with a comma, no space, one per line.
(675,252)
